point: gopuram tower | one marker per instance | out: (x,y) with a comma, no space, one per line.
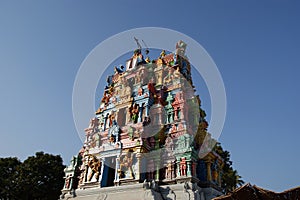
(144,141)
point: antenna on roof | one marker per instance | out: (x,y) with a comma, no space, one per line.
(140,46)
(147,49)
(138,43)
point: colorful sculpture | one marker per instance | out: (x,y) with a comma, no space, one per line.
(145,126)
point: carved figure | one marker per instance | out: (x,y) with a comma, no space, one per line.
(162,54)
(94,165)
(180,48)
(180,126)
(173,129)
(134,111)
(169,77)
(151,88)
(169,171)
(67,182)
(112,120)
(183,167)
(125,165)
(177,73)
(140,91)
(147,60)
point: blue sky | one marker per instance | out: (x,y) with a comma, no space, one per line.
(255,45)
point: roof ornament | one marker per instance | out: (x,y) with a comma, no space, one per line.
(140,46)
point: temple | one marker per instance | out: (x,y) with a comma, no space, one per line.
(144,141)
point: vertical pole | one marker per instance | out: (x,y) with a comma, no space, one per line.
(208,169)
(140,113)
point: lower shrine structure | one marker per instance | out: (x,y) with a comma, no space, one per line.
(144,141)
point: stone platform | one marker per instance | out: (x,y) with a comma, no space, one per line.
(145,191)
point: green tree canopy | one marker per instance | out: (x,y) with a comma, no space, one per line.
(230,178)
(38,177)
(8,174)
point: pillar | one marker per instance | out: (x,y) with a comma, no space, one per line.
(208,169)
(101,171)
(189,170)
(104,124)
(139,157)
(157,171)
(116,170)
(147,110)
(176,114)
(178,168)
(182,113)
(140,113)
(172,117)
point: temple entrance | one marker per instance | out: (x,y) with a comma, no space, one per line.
(109,172)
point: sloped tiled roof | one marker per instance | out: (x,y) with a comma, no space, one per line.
(249,192)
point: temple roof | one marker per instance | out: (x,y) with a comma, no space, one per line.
(254,192)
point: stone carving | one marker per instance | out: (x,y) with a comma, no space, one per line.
(169,77)
(183,167)
(94,166)
(169,171)
(126,166)
(146,109)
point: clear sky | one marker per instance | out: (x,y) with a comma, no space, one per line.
(255,45)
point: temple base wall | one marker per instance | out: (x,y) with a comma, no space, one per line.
(146,191)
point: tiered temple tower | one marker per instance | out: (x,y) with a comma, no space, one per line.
(148,131)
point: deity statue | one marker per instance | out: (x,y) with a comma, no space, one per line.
(183,167)
(126,165)
(173,128)
(180,48)
(162,54)
(134,111)
(94,165)
(151,88)
(177,73)
(169,170)
(147,60)
(169,77)
(112,119)
(180,126)
(159,62)
(140,91)
(67,182)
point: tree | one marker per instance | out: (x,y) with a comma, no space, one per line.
(39,177)
(8,174)
(230,178)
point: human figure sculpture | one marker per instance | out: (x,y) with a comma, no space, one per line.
(134,113)
(67,182)
(140,91)
(94,164)
(151,88)
(126,164)
(183,167)
(162,54)
(180,126)
(112,120)
(173,129)
(177,73)
(169,77)
(169,170)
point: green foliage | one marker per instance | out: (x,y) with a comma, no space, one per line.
(8,174)
(230,178)
(38,177)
